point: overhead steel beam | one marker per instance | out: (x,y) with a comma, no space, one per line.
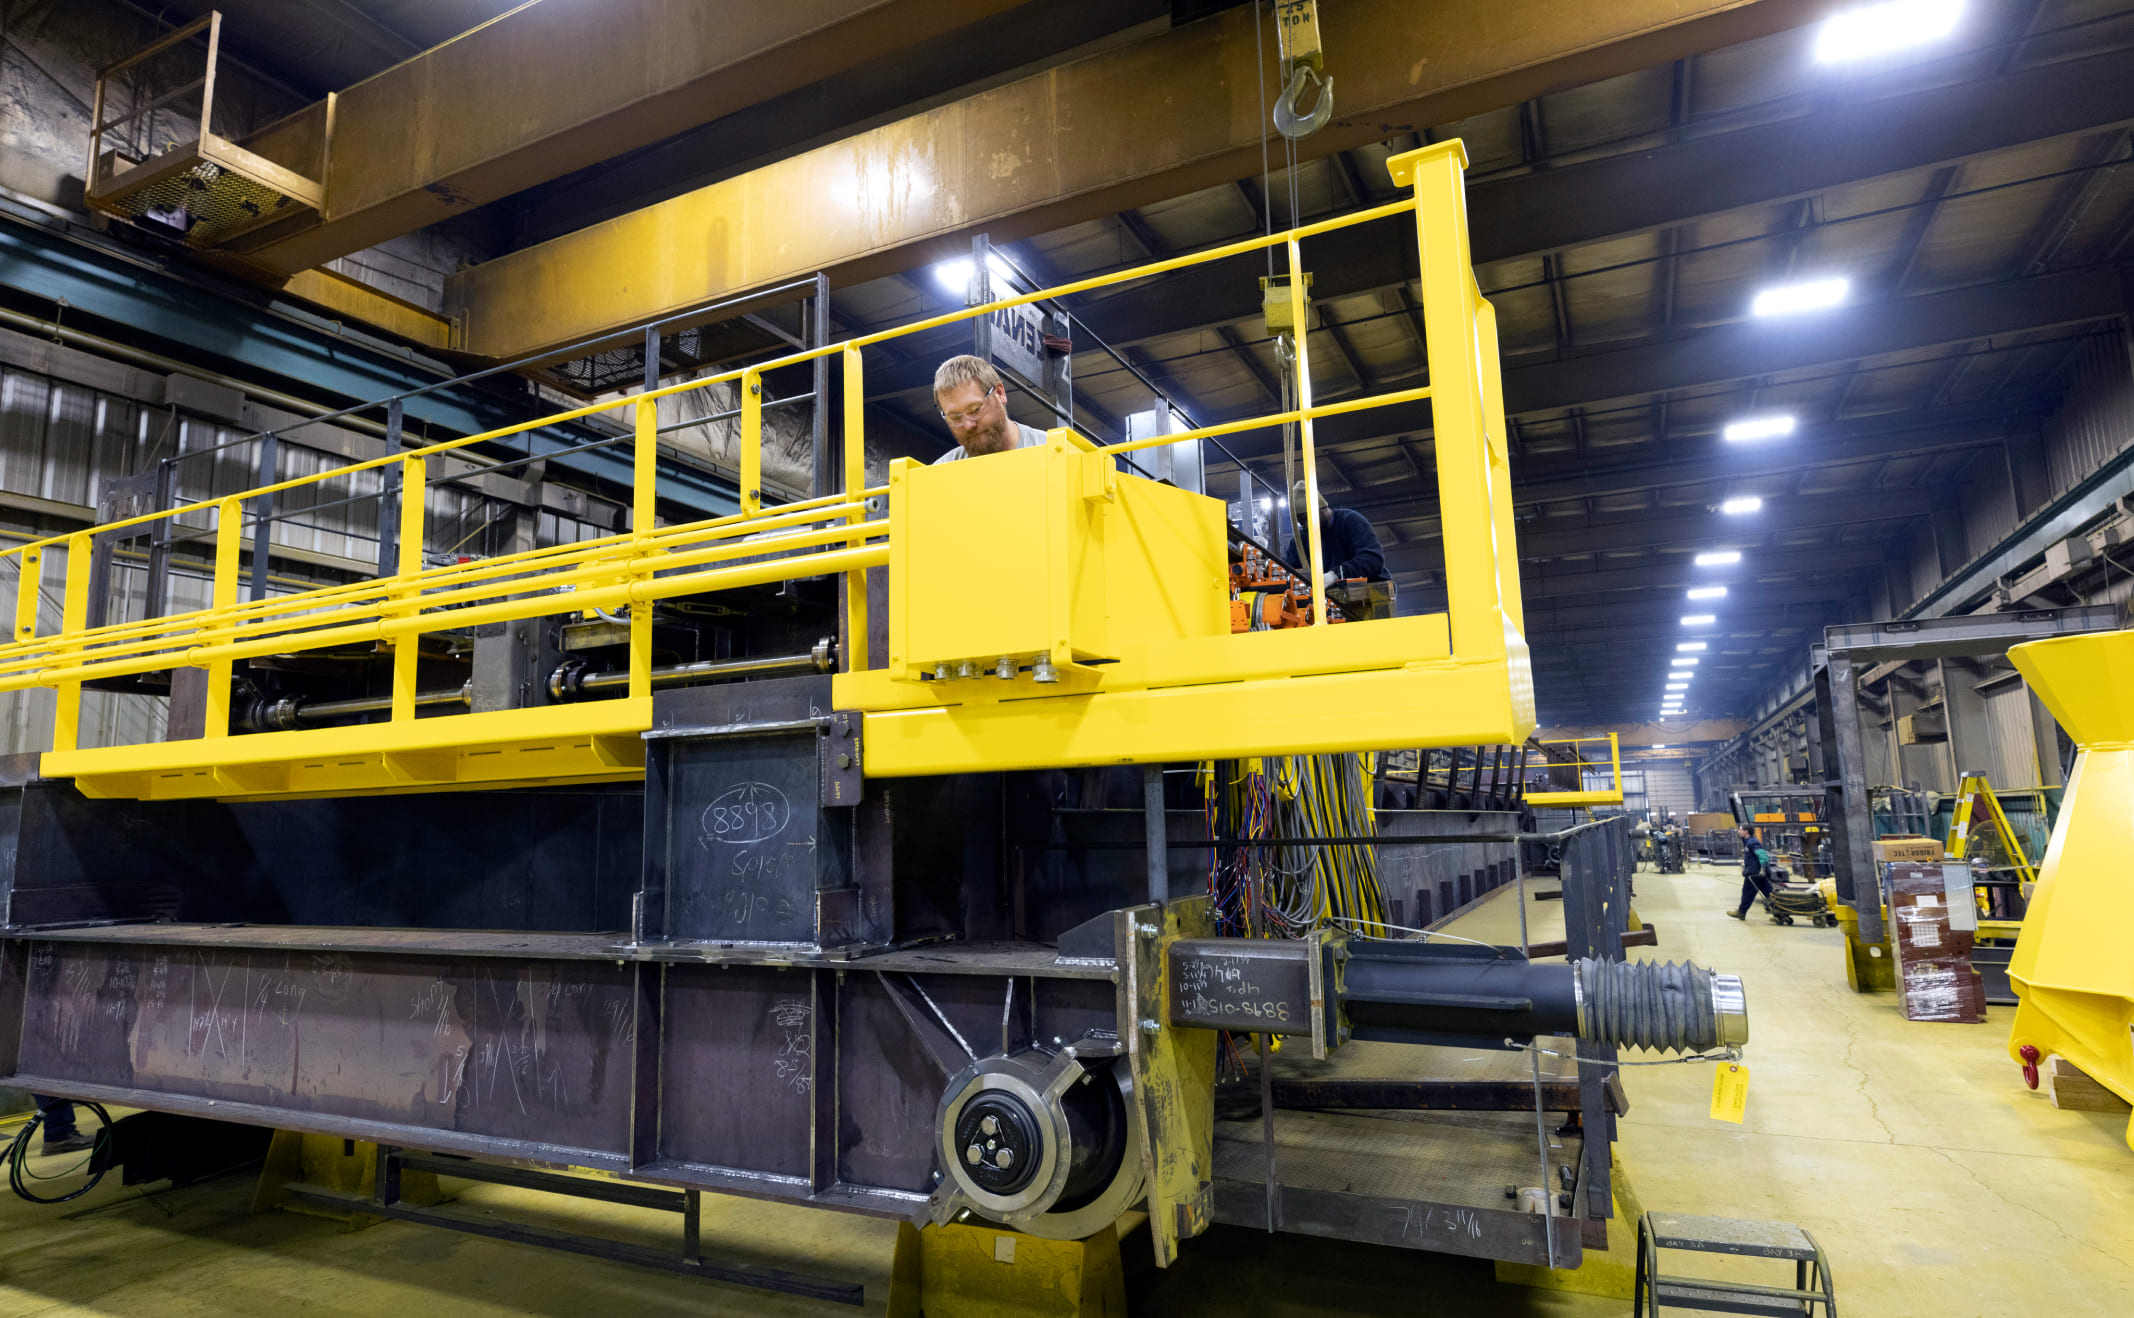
(1541,211)
(1650,529)
(1030,34)
(1679,574)
(551,87)
(1545,617)
(1752,348)
(1708,459)
(1748,349)
(1149,121)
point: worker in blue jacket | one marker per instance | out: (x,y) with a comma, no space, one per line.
(1348,547)
(1755,873)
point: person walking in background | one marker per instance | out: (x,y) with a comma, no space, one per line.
(1755,873)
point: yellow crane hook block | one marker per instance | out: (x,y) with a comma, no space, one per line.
(2071,969)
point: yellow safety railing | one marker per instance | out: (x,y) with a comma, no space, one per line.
(831,534)
(1600,754)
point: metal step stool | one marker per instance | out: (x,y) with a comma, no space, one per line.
(1726,1235)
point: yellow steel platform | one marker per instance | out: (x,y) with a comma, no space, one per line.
(1103,593)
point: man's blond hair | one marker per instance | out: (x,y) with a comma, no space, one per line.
(966,370)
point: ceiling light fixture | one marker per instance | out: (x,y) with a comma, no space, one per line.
(1691,645)
(1708,593)
(955,276)
(1719,558)
(1807,295)
(1871,30)
(1748,503)
(1680,662)
(1698,619)
(1759,427)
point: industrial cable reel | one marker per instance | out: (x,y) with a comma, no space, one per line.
(1046,1143)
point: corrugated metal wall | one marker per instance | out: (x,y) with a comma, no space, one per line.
(1668,790)
(2095,419)
(2011,739)
(65,442)
(1989,510)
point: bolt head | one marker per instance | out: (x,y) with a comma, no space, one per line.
(974,1155)
(1004,1159)
(991,1125)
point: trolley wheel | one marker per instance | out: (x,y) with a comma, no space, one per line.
(1782,919)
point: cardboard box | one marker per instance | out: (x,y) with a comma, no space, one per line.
(1905,848)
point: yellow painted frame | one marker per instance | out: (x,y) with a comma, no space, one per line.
(1603,796)
(1166,692)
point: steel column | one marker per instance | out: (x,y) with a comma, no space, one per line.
(1837,692)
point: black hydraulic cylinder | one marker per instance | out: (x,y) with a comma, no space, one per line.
(1446,993)
(1387,994)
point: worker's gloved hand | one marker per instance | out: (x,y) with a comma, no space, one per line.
(1332,579)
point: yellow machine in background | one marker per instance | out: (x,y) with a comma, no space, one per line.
(2072,967)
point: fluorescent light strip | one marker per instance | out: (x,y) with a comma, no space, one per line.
(1794,299)
(1708,593)
(1746,504)
(1691,645)
(1871,30)
(1752,428)
(1719,558)
(1698,619)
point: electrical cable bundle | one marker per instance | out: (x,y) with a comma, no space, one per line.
(18,1171)
(1238,803)
(1328,796)
(1264,888)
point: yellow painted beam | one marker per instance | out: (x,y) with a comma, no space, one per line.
(1124,127)
(554,86)
(351,299)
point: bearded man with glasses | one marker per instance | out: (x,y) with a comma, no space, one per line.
(974,402)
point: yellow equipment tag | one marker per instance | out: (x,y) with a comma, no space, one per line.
(1730,1092)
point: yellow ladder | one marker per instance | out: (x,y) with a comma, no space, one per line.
(1973,791)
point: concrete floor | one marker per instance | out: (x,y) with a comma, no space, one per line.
(1936,1181)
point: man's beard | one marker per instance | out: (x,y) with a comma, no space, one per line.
(997,439)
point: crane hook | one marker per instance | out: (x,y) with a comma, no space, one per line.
(1287,121)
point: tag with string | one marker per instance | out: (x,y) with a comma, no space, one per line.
(1730,1092)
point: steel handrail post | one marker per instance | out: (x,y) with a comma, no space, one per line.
(1301,358)
(856,655)
(66,717)
(27,586)
(1473,573)
(229,539)
(752,442)
(644,500)
(407,649)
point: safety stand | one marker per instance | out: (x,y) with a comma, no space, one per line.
(977,1270)
(1726,1235)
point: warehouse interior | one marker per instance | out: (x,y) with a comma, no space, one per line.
(1150,656)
